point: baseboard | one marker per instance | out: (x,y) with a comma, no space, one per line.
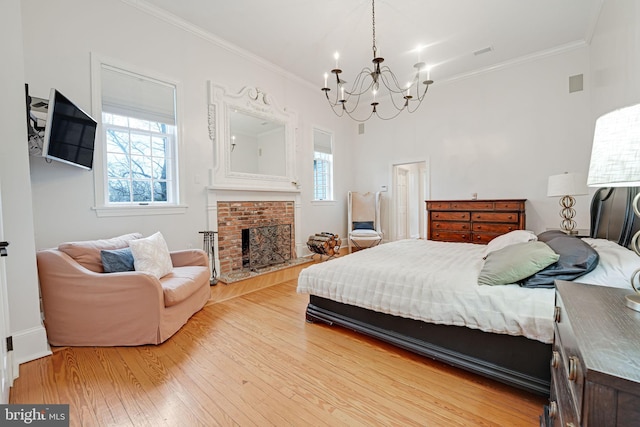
(30,344)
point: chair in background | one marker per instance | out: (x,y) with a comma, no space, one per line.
(364,220)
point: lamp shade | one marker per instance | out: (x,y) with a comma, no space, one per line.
(615,156)
(567,184)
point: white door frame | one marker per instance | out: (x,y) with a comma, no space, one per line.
(421,193)
(6,357)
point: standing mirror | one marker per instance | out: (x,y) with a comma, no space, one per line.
(253,139)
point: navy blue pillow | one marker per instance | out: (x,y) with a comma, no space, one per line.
(576,258)
(117,260)
(363,225)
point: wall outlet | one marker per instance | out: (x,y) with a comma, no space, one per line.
(383,188)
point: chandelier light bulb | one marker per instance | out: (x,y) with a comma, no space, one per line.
(336,56)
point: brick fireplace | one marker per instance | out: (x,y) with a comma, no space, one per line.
(233,217)
(232,210)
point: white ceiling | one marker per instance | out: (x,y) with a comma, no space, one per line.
(301,36)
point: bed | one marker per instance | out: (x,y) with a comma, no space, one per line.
(436,308)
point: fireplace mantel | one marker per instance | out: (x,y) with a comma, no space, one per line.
(227,193)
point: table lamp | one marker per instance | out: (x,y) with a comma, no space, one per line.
(566,186)
(615,162)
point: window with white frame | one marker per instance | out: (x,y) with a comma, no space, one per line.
(322,165)
(140,139)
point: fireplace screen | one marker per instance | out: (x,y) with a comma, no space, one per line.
(265,246)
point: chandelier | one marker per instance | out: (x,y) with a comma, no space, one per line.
(371,81)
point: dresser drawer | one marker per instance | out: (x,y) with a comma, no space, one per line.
(496,217)
(451,236)
(572,372)
(431,206)
(488,227)
(450,216)
(565,410)
(472,206)
(451,226)
(510,206)
(483,238)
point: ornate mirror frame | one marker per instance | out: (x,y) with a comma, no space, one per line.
(255,102)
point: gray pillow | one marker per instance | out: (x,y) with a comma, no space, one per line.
(117,260)
(576,258)
(516,262)
(545,236)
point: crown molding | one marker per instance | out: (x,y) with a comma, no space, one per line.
(172,19)
(557,50)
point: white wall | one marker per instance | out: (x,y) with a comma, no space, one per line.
(22,281)
(615,57)
(59,37)
(500,134)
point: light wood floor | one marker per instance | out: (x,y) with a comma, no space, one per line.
(251,359)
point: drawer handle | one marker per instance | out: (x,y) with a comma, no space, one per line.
(553,409)
(437,225)
(479,227)
(437,215)
(555,359)
(573,368)
(510,228)
(556,314)
(510,216)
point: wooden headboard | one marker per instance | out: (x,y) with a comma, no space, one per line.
(612,216)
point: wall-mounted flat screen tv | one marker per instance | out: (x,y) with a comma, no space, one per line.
(69,134)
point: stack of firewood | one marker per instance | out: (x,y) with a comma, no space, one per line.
(324,244)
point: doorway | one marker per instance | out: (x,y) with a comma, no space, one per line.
(410,190)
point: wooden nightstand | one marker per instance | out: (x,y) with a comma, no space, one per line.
(595,366)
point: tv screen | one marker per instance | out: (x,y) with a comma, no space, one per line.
(70,133)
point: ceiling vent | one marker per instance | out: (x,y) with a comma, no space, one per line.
(483,51)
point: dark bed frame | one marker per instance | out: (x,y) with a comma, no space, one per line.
(514,360)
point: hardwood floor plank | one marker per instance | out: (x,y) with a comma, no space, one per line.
(249,358)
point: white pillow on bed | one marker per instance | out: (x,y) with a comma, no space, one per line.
(510,238)
(616,266)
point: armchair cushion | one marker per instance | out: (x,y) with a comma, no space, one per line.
(151,254)
(181,283)
(87,253)
(117,260)
(365,233)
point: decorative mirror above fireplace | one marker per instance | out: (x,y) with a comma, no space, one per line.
(254,140)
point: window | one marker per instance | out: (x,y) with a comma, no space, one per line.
(139,156)
(139,133)
(322,165)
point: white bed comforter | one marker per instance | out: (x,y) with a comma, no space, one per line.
(435,282)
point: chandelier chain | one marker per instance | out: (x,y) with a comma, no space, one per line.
(373,25)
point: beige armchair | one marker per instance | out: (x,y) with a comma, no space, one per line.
(83,306)
(364,226)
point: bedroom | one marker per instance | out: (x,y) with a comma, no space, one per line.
(492,124)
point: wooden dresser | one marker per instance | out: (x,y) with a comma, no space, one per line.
(476,221)
(595,367)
